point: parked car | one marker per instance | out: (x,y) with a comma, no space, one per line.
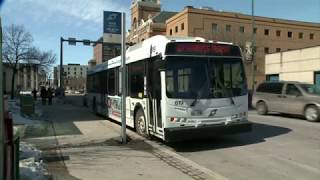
(288,97)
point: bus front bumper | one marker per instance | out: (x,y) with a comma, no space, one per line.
(205,131)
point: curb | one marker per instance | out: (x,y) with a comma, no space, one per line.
(191,165)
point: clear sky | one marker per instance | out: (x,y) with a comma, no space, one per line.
(48,20)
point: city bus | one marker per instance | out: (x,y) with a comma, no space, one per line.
(178,88)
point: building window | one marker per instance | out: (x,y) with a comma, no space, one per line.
(182,26)
(176,29)
(266,32)
(228,28)
(241,29)
(300,35)
(273,78)
(278,49)
(214,27)
(170,31)
(278,33)
(289,34)
(266,50)
(311,36)
(255,30)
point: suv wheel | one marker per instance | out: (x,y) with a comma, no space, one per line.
(311,113)
(262,108)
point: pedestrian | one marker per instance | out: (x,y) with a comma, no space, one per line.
(43,94)
(50,95)
(34,92)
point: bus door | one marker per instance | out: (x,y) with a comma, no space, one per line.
(154,94)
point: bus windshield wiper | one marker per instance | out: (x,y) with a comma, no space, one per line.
(228,93)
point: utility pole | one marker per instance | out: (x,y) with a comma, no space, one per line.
(253,48)
(2,144)
(123,78)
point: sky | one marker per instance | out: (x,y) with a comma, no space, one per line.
(48,20)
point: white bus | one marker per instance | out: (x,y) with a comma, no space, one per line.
(178,88)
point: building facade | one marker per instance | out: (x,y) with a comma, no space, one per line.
(295,65)
(271,34)
(27,77)
(74,76)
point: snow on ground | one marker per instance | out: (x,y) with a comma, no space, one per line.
(28,151)
(33,170)
(18,118)
(31,167)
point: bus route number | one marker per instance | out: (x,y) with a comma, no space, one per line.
(178,103)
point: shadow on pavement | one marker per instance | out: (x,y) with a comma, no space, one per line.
(259,133)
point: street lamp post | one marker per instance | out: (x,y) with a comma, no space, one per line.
(253,49)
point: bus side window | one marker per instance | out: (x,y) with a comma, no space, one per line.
(136,79)
(111,82)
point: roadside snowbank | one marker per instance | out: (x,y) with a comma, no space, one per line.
(31,167)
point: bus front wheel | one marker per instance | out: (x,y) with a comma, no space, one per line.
(140,123)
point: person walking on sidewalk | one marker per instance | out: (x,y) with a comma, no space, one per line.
(43,94)
(34,92)
(50,95)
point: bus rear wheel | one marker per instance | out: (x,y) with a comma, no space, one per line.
(140,123)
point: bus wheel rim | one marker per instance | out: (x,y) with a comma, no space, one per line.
(141,124)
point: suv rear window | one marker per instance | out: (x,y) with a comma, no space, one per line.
(274,88)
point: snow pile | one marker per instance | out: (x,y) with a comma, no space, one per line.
(31,167)
(28,151)
(18,118)
(33,170)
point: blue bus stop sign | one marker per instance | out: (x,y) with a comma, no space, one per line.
(111,22)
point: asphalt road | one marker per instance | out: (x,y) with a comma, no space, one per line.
(279,147)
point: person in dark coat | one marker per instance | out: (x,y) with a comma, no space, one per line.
(34,92)
(43,94)
(50,95)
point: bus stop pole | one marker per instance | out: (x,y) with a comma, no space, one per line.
(1,111)
(123,78)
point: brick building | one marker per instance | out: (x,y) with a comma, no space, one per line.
(272,35)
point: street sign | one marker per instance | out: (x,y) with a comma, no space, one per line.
(86,42)
(248,51)
(112,27)
(72,41)
(111,22)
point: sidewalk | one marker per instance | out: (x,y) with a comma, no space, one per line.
(80,145)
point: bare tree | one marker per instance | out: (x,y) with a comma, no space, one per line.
(45,59)
(16,49)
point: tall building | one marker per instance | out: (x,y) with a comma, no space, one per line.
(74,76)
(271,34)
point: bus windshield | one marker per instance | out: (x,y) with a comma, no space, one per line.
(203,77)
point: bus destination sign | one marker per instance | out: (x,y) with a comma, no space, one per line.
(210,49)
